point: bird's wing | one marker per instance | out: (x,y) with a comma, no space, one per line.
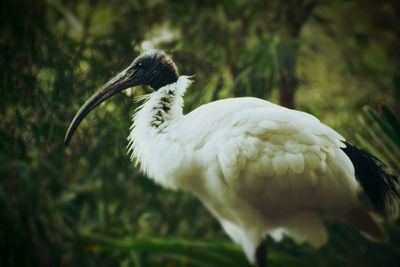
(262,147)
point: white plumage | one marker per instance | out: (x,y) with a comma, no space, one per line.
(259,168)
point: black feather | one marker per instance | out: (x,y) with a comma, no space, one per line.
(377,180)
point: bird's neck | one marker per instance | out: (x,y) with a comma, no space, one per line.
(151,122)
(162,106)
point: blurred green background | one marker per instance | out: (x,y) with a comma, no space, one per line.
(86,204)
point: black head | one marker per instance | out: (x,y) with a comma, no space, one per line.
(156,68)
(153,68)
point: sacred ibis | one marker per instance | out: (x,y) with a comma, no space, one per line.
(261,169)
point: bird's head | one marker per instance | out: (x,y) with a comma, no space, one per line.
(153,68)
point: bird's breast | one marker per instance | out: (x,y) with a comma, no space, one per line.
(162,158)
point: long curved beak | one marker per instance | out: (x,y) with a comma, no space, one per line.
(117,84)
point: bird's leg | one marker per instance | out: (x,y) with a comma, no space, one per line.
(261,255)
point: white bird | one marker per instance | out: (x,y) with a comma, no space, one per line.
(261,169)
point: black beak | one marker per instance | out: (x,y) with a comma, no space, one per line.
(122,81)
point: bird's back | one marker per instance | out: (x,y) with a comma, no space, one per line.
(282,163)
(266,152)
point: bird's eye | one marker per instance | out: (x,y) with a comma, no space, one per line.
(140,65)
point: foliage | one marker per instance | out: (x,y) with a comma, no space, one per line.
(87,205)
(384,130)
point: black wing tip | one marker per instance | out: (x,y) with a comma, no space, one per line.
(378,181)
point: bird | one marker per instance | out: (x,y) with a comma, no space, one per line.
(261,169)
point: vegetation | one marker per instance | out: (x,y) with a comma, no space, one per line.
(87,205)
(384,129)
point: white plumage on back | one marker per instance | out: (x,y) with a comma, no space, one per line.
(259,168)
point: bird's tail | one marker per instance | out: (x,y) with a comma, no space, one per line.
(380,187)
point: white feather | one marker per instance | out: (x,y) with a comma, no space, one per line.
(296,162)
(258,167)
